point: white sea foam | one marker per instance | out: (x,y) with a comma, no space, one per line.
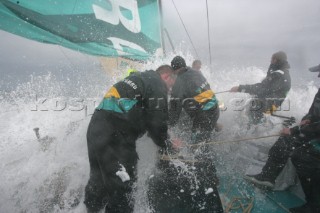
(122,174)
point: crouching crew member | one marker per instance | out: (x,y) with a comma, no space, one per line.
(133,106)
(192,93)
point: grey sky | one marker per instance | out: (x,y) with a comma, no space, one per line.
(246,23)
(247,32)
(243,33)
(20,58)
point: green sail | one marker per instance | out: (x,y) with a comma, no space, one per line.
(112,28)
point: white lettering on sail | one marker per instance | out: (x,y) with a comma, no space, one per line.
(119,43)
(115,15)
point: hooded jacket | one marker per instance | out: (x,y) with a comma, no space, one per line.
(275,85)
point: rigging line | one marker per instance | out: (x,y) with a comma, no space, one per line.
(68,59)
(221,91)
(231,141)
(208,32)
(60,44)
(161,27)
(169,38)
(185,28)
(75,4)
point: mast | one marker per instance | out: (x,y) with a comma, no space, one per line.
(208,33)
(161,28)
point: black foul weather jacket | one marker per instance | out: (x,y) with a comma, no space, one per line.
(273,89)
(312,130)
(192,92)
(139,104)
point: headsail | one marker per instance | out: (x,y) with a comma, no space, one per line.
(127,28)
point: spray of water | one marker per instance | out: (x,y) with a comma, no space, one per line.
(47,171)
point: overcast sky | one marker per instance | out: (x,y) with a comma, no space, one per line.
(249,30)
(243,33)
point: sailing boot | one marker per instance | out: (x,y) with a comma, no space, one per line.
(261,180)
(269,173)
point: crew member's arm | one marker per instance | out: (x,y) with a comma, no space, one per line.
(270,84)
(306,127)
(159,134)
(156,118)
(310,124)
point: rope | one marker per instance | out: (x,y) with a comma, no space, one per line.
(245,207)
(185,28)
(167,158)
(233,141)
(177,157)
(208,32)
(222,92)
(231,205)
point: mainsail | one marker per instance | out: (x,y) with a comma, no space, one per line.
(112,28)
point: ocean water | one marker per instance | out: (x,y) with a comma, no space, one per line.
(49,174)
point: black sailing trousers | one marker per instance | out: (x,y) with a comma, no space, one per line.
(306,160)
(190,187)
(110,150)
(278,156)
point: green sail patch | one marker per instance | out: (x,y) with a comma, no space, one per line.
(131,30)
